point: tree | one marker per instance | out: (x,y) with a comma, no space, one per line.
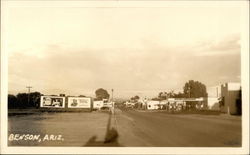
(194,89)
(171,94)
(136,97)
(163,95)
(21,100)
(12,101)
(34,99)
(179,95)
(166,95)
(102,94)
(155,99)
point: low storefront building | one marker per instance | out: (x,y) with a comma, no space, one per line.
(231,98)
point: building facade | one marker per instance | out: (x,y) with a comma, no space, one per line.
(231,98)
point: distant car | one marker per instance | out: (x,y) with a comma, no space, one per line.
(105,108)
(130,106)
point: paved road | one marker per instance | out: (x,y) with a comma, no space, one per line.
(176,130)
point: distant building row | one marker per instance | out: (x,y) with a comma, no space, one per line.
(229,101)
(172,104)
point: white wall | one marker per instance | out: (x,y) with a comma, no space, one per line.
(152,105)
(234,86)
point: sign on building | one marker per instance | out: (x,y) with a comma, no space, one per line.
(79,102)
(52,101)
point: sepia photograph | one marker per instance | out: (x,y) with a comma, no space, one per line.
(125,77)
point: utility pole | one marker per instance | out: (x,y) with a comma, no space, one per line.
(113,104)
(112,90)
(29,87)
(217,95)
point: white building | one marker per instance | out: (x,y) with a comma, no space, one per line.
(151,105)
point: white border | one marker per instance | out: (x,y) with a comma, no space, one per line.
(5,5)
(78,107)
(245,74)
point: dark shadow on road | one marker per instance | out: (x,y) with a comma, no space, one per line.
(111,137)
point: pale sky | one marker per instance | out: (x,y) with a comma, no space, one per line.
(135,51)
